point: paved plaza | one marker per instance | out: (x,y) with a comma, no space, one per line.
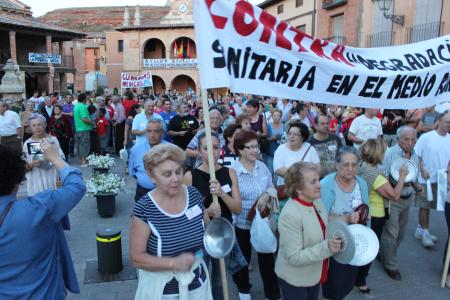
(420,268)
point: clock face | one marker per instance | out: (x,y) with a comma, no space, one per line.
(183,8)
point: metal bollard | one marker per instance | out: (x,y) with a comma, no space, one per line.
(109,251)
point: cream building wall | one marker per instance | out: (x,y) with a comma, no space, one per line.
(296,16)
(114,59)
(423,19)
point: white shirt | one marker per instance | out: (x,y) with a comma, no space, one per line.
(285,109)
(237,109)
(365,128)
(35,101)
(284,157)
(9,122)
(434,150)
(140,123)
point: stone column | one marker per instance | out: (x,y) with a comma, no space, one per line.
(51,73)
(12,45)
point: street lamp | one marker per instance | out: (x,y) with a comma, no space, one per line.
(384,6)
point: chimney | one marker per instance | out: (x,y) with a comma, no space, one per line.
(137,16)
(126,17)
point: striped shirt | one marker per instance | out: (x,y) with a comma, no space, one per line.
(251,186)
(172,235)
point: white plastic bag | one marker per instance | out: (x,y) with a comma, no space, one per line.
(429,191)
(123,153)
(441,189)
(261,235)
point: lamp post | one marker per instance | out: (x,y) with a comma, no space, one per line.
(384,6)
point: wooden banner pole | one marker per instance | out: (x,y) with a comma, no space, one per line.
(212,173)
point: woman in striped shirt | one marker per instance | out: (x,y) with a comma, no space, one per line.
(372,154)
(167,228)
(255,184)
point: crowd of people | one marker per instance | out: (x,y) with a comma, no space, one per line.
(301,165)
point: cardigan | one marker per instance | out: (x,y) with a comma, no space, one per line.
(302,246)
(328,194)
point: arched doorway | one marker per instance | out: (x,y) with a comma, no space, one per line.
(182,83)
(159,86)
(154,49)
(183,47)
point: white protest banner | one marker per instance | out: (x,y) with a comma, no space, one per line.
(170,63)
(44,58)
(136,81)
(248,50)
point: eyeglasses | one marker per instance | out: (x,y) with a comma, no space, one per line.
(252,147)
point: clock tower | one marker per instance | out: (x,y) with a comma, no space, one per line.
(180,12)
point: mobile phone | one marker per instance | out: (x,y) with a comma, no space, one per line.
(34,148)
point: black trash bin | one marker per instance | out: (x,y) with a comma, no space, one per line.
(109,251)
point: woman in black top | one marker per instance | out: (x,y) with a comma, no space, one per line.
(225,187)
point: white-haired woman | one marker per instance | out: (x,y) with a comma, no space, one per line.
(41,174)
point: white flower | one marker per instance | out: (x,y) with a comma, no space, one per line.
(105,184)
(100,161)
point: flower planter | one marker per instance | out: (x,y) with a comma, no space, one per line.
(106,205)
(99,170)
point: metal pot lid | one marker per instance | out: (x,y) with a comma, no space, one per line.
(339,228)
(366,245)
(219,238)
(398,164)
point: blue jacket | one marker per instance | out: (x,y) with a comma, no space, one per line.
(328,194)
(35,261)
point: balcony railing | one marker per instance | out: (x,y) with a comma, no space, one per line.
(379,39)
(423,32)
(337,39)
(330,4)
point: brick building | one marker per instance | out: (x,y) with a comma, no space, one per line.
(90,53)
(21,34)
(164,44)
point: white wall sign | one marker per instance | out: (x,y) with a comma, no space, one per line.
(44,58)
(170,63)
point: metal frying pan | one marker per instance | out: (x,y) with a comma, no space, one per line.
(219,238)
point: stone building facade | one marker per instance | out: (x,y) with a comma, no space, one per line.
(163,44)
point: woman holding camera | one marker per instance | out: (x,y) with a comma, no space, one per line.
(41,174)
(35,261)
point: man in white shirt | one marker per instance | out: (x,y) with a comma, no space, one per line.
(433,149)
(139,126)
(10,128)
(365,127)
(35,100)
(238,105)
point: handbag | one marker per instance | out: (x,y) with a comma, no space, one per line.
(281,189)
(261,235)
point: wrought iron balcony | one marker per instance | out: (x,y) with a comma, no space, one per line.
(337,39)
(423,32)
(379,39)
(330,4)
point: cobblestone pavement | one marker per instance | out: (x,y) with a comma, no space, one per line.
(420,268)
